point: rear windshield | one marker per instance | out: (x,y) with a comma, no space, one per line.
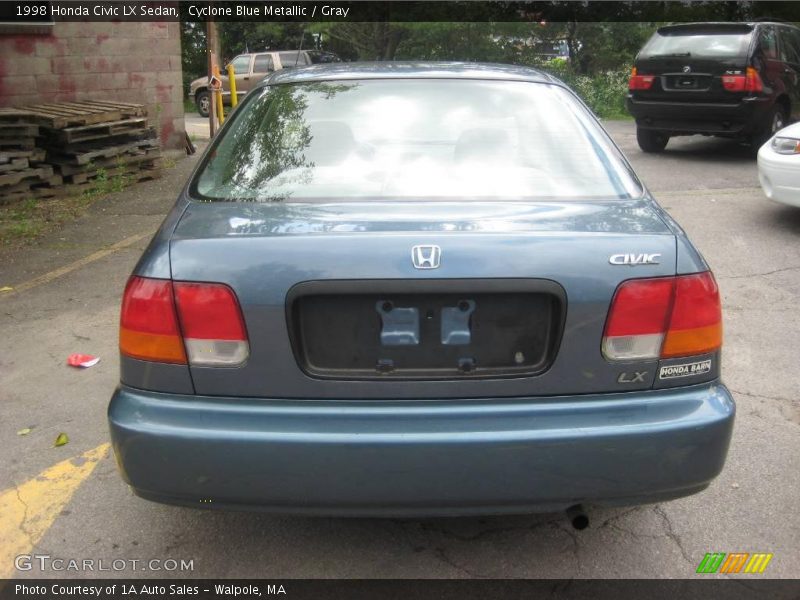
(710,42)
(292,59)
(413,139)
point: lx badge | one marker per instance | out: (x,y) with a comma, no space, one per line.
(638,377)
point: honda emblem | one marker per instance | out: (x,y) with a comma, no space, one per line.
(426,257)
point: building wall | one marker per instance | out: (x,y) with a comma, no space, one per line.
(125,62)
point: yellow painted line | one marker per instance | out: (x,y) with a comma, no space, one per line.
(82,262)
(27,511)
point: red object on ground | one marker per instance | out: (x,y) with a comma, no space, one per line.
(82,361)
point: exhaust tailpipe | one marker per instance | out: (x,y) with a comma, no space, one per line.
(578,517)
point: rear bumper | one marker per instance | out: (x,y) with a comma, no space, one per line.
(422,457)
(685,118)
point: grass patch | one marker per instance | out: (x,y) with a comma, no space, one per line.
(25,221)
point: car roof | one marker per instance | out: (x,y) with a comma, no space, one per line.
(269,52)
(408,70)
(724,24)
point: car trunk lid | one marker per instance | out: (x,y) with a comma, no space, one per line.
(335,306)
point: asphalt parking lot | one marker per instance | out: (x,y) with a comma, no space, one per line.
(82,509)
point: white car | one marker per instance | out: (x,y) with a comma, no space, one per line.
(779,166)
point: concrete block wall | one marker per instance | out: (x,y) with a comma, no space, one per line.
(124,62)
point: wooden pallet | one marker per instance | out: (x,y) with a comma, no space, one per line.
(12,144)
(58,115)
(32,181)
(18,130)
(128,170)
(11,116)
(16,177)
(58,190)
(56,149)
(151,154)
(81,140)
(32,193)
(47,187)
(35,155)
(79,157)
(98,131)
(54,188)
(16,164)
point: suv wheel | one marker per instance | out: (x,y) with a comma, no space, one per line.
(775,122)
(203,101)
(650,140)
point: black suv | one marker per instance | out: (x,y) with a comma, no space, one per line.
(735,80)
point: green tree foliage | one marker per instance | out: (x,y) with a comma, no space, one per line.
(593,57)
(484,42)
(365,41)
(596,47)
(592,46)
(193,51)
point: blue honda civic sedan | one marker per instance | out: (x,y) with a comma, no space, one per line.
(417,289)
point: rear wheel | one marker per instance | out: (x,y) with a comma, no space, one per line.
(651,140)
(776,121)
(203,101)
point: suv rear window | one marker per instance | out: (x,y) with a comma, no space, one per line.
(717,41)
(413,139)
(292,59)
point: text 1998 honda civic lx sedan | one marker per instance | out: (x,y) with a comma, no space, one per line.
(418,289)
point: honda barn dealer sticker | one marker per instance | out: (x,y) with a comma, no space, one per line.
(684,370)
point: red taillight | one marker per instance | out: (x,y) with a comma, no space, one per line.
(209,311)
(749,82)
(212,324)
(664,317)
(753,81)
(148,323)
(640,82)
(169,322)
(695,326)
(733,83)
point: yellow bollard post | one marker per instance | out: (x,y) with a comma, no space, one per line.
(220,110)
(232,84)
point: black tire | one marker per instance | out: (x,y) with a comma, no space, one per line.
(775,121)
(651,140)
(202,100)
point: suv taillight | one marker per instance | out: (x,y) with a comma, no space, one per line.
(165,321)
(749,82)
(640,82)
(665,317)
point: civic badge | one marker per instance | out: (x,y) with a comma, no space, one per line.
(426,257)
